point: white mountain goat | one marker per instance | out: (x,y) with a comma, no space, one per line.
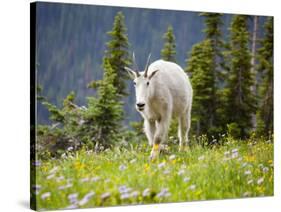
(163,91)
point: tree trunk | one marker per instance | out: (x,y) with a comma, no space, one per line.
(253,64)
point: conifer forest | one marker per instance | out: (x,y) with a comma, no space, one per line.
(90,148)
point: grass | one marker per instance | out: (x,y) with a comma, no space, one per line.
(124,176)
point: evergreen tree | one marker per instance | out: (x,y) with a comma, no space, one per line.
(200,65)
(241,102)
(265,68)
(105,112)
(168,52)
(117,53)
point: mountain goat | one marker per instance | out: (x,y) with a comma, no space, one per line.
(163,91)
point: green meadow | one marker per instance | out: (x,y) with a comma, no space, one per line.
(124,175)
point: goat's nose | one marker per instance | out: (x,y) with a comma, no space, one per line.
(140,105)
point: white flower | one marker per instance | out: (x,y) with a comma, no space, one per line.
(95,179)
(201,157)
(247,172)
(260,181)
(45,195)
(226,153)
(250,182)
(69,185)
(105,195)
(53,170)
(172,157)
(146,192)
(234,155)
(247,194)
(234,150)
(133,160)
(192,187)
(86,179)
(50,176)
(60,178)
(181,172)
(86,198)
(186,179)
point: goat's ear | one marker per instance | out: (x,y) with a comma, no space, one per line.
(131,73)
(152,74)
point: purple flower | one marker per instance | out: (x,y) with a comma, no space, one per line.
(45,195)
(122,167)
(73,198)
(37,163)
(164,193)
(86,198)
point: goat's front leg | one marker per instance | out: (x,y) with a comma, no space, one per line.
(160,135)
(149,129)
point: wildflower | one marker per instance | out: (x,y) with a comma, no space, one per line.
(244,164)
(164,193)
(86,198)
(247,194)
(37,163)
(201,157)
(50,176)
(234,150)
(60,178)
(226,153)
(192,187)
(146,192)
(69,185)
(265,169)
(124,189)
(36,188)
(86,179)
(186,179)
(105,195)
(260,181)
(181,172)
(70,148)
(95,179)
(250,182)
(247,172)
(73,198)
(125,196)
(64,156)
(122,167)
(133,160)
(107,180)
(78,165)
(161,165)
(134,194)
(172,157)
(54,170)
(45,195)
(234,155)
(166,172)
(81,122)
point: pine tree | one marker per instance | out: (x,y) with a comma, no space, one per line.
(265,68)
(117,53)
(241,102)
(105,111)
(200,65)
(168,52)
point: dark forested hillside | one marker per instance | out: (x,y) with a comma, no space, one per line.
(71,40)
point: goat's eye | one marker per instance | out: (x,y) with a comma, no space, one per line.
(147,83)
(134,83)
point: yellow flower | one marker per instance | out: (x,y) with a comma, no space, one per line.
(250,158)
(146,167)
(270,161)
(78,165)
(155,147)
(260,189)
